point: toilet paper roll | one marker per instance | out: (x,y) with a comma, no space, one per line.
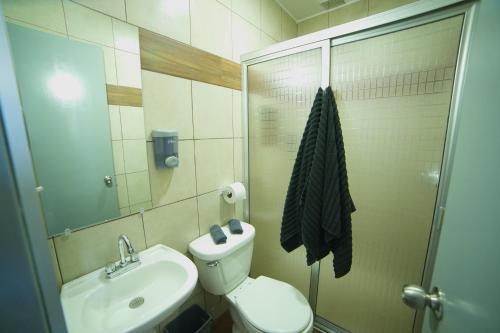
(234,192)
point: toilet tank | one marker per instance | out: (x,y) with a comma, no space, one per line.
(222,267)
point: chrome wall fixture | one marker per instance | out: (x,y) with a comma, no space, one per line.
(411,15)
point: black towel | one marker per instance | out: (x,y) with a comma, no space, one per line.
(318,206)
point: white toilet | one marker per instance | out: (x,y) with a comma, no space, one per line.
(256,305)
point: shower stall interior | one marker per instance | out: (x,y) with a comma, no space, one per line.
(396,77)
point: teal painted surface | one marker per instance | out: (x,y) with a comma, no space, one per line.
(63,95)
(468,264)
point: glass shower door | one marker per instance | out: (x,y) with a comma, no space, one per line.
(280,95)
(393,93)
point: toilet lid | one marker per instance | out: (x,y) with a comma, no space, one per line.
(274,306)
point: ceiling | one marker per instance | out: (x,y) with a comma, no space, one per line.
(303,9)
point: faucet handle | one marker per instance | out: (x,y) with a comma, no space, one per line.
(134,257)
(110,268)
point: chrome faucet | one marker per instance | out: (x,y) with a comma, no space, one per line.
(125,264)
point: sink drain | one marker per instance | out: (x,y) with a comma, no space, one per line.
(136,302)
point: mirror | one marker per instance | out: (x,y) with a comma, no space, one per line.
(63,94)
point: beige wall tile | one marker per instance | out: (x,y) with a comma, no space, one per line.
(266,40)
(214,164)
(271,19)
(237,115)
(88,24)
(128,69)
(115,8)
(247,37)
(55,263)
(173,184)
(132,119)
(212,111)
(288,26)
(379,6)
(121,188)
(89,249)
(48,14)
(248,9)
(212,209)
(118,159)
(215,305)
(173,225)
(138,187)
(115,122)
(226,3)
(126,36)
(313,24)
(211,27)
(134,153)
(238,160)
(349,13)
(167,104)
(166,17)
(124,211)
(141,206)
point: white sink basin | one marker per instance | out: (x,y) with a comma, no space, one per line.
(164,279)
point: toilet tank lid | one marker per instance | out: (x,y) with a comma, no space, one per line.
(204,247)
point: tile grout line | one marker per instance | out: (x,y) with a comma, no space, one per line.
(57,260)
(194,156)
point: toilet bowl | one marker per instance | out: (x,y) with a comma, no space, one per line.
(256,305)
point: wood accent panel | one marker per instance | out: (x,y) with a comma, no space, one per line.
(121,95)
(165,55)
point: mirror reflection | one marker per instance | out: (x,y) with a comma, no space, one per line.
(86,154)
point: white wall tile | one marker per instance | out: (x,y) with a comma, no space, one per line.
(88,24)
(226,3)
(237,115)
(214,164)
(114,8)
(128,69)
(211,27)
(212,209)
(247,37)
(118,159)
(166,17)
(167,104)
(126,36)
(212,111)
(134,152)
(248,9)
(138,187)
(47,14)
(271,19)
(238,160)
(132,119)
(162,225)
(173,184)
(115,122)
(88,249)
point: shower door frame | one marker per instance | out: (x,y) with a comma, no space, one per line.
(405,17)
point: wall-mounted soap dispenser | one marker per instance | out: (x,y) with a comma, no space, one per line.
(165,148)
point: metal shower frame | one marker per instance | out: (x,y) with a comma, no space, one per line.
(408,16)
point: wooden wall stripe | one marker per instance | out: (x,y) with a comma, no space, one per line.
(168,56)
(121,95)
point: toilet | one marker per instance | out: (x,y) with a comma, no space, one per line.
(256,305)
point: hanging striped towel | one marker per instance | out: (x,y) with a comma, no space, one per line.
(318,205)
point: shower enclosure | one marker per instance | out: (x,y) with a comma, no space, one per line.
(396,77)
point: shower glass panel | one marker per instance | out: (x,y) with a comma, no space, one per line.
(280,94)
(393,93)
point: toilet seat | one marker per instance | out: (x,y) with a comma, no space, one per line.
(273,306)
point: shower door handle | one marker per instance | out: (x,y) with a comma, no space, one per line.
(417,298)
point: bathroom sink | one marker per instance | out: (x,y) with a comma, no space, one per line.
(133,302)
